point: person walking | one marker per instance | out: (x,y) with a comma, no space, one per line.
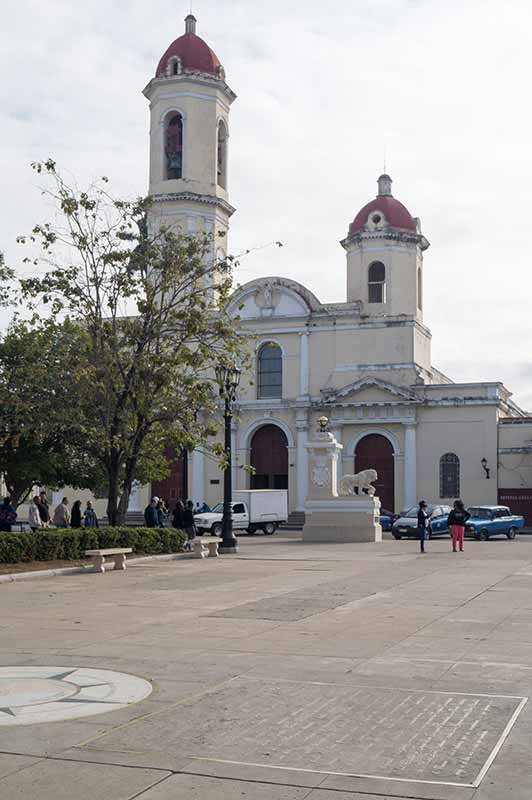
(8,515)
(61,518)
(456,522)
(34,515)
(177,516)
(90,519)
(162,513)
(44,509)
(75,517)
(151,517)
(422,523)
(189,525)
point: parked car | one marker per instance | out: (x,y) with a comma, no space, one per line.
(488,521)
(387,519)
(406,525)
(253,510)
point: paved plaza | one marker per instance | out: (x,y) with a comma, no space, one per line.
(287,672)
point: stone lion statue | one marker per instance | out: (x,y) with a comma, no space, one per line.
(361,481)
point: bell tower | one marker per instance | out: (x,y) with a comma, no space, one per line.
(385,249)
(190,102)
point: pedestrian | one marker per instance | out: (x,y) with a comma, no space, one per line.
(162,513)
(422,523)
(8,515)
(197,508)
(75,517)
(456,522)
(61,518)
(189,524)
(205,509)
(151,517)
(177,516)
(89,518)
(44,509)
(34,515)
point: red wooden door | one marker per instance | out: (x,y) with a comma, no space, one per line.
(519,502)
(174,487)
(269,456)
(375,452)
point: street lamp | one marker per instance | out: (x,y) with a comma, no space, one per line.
(228,378)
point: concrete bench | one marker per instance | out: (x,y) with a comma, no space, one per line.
(117,554)
(199,546)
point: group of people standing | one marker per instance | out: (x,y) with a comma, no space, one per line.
(39,515)
(456,522)
(156,515)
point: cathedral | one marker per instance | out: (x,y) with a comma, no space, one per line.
(364,362)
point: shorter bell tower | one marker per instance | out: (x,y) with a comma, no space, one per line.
(190,102)
(385,249)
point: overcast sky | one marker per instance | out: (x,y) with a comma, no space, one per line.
(323,90)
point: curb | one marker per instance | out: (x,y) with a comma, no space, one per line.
(15,577)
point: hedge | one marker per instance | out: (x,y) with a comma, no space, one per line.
(70,543)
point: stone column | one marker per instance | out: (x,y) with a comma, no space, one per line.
(304,365)
(301,460)
(197,490)
(410,467)
(337,431)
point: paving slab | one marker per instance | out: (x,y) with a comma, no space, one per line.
(193,787)
(62,780)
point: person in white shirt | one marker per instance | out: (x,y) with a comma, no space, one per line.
(34,517)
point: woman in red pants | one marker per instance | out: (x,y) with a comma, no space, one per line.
(456,522)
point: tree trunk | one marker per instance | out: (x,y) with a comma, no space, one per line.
(112,493)
(131,465)
(18,492)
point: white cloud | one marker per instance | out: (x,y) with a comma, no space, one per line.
(322,92)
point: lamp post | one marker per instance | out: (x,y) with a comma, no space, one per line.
(228,378)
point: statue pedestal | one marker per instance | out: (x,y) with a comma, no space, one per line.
(343,519)
(330,518)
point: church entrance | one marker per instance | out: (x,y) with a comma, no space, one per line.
(269,456)
(376,452)
(174,487)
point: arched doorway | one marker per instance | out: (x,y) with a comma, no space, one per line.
(269,457)
(376,452)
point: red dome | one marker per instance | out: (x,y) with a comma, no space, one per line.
(194,53)
(395,212)
(397,216)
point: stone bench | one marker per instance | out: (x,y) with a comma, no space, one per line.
(117,554)
(199,546)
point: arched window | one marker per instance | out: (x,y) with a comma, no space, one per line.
(449,476)
(222,155)
(173,147)
(270,371)
(377,283)
(419,289)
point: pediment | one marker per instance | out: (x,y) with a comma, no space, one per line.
(272,297)
(368,390)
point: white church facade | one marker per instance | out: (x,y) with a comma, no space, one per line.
(364,362)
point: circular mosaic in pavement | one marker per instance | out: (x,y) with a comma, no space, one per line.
(29,695)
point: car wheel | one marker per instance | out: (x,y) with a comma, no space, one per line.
(269,528)
(397,536)
(512,533)
(217,529)
(484,535)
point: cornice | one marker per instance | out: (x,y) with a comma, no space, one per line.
(192,76)
(391,234)
(194,197)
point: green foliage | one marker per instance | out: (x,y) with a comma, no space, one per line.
(148,331)
(70,544)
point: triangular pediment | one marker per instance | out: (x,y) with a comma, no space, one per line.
(368,390)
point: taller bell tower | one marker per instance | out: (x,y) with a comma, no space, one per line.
(190,102)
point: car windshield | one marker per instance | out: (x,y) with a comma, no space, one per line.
(480,513)
(218,508)
(412,512)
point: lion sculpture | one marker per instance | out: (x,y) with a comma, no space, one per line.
(361,482)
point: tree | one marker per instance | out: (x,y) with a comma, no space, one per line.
(38,418)
(152,332)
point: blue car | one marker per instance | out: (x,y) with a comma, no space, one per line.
(387,519)
(488,521)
